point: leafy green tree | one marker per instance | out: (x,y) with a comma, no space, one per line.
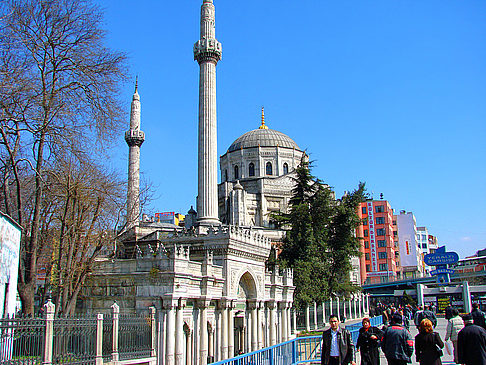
(320,240)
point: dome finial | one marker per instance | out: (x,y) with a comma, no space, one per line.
(263,126)
(136,83)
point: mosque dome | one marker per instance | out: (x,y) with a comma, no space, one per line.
(263,138)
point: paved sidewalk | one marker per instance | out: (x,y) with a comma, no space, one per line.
(441,328)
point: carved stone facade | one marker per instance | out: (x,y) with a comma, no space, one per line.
(212,290)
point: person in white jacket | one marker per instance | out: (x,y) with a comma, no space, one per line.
(454,325)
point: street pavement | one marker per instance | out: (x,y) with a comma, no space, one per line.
(441,328)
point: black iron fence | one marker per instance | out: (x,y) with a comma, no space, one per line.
(77,340)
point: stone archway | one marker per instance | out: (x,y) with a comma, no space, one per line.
(246,294)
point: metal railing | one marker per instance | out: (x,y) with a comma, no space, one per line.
(300,350)
(77,340)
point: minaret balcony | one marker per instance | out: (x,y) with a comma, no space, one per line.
(207,50)
(134,137)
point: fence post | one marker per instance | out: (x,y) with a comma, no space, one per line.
(50,308)
(153,351)
(116,313)
(99,339)
(294,351)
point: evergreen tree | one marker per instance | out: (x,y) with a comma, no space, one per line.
(320,240)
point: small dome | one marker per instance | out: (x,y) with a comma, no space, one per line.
(263,138)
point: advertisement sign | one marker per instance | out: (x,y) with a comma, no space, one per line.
(442,271)
(380,273)
(9,263)
(373,251)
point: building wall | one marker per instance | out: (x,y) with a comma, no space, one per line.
(411,259)
(379,262)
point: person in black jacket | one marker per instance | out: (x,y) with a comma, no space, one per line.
(426,343)
(478,316)
(471,343)
(337,345)
(448,312)
(397,342)
(368,343)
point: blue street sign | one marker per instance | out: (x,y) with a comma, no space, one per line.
(442,271)
(442,258)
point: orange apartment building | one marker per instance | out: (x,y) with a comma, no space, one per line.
(379,248)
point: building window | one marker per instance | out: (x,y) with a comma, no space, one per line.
(363,210)
(383,267)
(381,243)
(380,220)
(368,269)
(424,246)
(382,255)
(269,169)
(365,221)
(367,256)
(237,172)
(379,209)
(225,175)
(380,232)
(285,168)
(251,169)
(365,232)
(367,244)
(395,233)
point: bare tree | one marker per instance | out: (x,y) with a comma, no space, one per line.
(58,84)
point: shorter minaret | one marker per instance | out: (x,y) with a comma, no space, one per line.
(134,138)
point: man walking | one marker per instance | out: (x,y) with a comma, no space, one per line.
(471,343)
(397,342)
(478,316)
(337,345)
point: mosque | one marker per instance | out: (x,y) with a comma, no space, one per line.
(210,282)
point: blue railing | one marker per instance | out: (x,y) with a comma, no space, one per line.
(297,351)
(354,328)
(300,350)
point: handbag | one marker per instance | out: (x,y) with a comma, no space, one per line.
(437,347)
(439,350)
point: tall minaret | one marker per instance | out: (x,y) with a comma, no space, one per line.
(207,52)
(134,138)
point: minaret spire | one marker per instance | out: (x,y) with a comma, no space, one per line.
(134,138)
(207,52)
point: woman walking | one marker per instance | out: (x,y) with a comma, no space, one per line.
(428,344)
(454,325)
(368,343)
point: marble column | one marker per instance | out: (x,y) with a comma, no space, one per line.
(170,345)
(331,311)
(307,318)
(189,348)
(203,334)
(295,321)
(359,306)
(259,325)
(273,335)
(224,333)
(179,334)
(337,308)
(323,314)
(315,316)
(344,308)
(289,329)
(254,328)
(284,322)
(231,331)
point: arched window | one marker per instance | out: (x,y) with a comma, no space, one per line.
(251,169)
(269,169)
(237,173)
(285,168)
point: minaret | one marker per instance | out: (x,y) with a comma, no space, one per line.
(207,52)
(134,138)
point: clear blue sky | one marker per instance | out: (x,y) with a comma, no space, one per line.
(392,93)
